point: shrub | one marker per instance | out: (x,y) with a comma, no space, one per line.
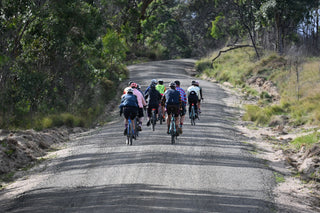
(261,115)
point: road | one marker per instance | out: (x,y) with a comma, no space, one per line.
(209,169)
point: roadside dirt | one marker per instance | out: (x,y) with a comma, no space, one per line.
(293,190)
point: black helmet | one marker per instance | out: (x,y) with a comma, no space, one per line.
(130,82)
(193,82)
(160,81)
(130,90)
(152,86)
(172,85)
(177,82)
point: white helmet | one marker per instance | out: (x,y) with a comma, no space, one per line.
(130,90)
(154,81)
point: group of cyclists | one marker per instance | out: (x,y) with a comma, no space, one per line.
(172,101)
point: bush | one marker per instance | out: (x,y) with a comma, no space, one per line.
(63,119)
(261,115)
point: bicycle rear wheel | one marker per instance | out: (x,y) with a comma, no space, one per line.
(153,120)
(129,134)
(193,117)
(173,131)
(160,115)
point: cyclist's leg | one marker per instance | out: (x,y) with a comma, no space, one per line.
(126,113)
(149,115)
(176,115)
(190,105)
(199,101)
(169,112)
(182,115)
(140,115)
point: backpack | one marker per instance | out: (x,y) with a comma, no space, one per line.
(193,97)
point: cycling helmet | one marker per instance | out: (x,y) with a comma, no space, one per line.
(130,90)
(138,86)
(172,85)
(133,85)
(130,82)
(197,83)
(177,82)
(153,81)
(160,81)
(152,86)
(193,82)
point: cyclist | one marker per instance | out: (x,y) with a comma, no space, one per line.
(201,96)
(193,94)
(153,98)
(161,88)
(129,107)
(183,104)
(153,81)
(141,102)
(172,101)
(129,86)
(139,89)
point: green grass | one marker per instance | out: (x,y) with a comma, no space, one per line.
(261,115)
(279,177)
(239,65)
(306,140)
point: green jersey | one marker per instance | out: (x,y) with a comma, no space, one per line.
(161,88)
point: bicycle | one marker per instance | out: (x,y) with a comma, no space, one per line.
(130,132)
(173,130)
(193,115)
(153,118)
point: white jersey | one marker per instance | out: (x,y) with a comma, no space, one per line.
(195,89)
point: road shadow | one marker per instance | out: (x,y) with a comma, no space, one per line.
(135,198)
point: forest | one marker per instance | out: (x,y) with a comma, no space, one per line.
(65,59)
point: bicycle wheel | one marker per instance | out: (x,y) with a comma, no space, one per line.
(193,116)
(173,130)
(153,119)
(160,115)
(129,132)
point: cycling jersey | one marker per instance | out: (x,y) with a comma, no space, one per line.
(172,97)
(153,97)
(182,95)
(161,88)
(141,101)
(129,100)
(195,89)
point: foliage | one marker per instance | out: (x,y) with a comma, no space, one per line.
(66,56)
(306,140)
(53,59)
(261,115)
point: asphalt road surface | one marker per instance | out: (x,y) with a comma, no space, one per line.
(209,169)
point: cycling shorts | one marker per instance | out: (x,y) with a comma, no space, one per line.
(140,113)
(150,110)
(173,109)
(130,112)
(183,111)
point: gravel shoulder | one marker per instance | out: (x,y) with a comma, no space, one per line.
(292,194)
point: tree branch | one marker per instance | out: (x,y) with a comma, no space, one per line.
(231,48)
